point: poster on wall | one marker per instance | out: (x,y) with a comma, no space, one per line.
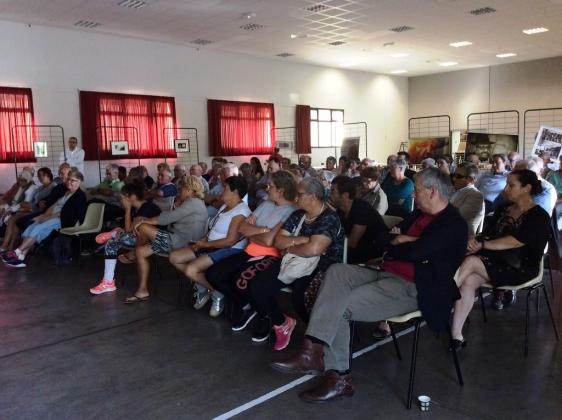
(420,148)
(119,148)
(350,147)
(549,139)
(40,149)
(486,145)
(181,145)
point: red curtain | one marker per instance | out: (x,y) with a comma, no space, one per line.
(302,123)
(240,128)
(16,110)
(147,123)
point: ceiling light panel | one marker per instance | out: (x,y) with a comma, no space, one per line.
(482,11)
(506,55)
(460,44)
(86,24)
(399,71)
(399,55)
(132,4)
(448,63)
(533,31)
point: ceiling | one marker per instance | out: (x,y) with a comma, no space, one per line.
(263,28)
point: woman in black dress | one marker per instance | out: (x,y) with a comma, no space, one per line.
(509,252)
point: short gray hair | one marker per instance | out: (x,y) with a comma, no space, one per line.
(180,167)
(471,169)
(315,187)
(400,163)
(113,167)
(434,178)
(232,168)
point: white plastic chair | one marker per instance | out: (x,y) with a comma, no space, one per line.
(93,222)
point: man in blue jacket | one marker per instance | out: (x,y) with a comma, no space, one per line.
(423,254)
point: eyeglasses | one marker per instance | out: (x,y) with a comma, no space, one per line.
(458,176)
(300,194)
(73,180)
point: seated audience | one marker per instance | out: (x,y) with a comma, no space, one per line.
(263,182)
(492,183)
(213,198)
(136,175)
(409,172)
(148,180)
(361,222)
(509,252)
(428,163)
(108,193)
(221,241)
(404,283)
(11,235)
(9,194)
(313,231)
(214,173)
(257,169)
(179,172)
(331,165)
(472,158)
(305,162)
(246,173)
(343,166)
(353,170)
(197,172)
(135,206)
(186,224)
(234,275)
(398,190)
(204,171)
(512,159)
(69,210)
(546,158)
(165,187)
(385,171)
(371,190)
(555,178)
(285,163)
(122,174)
(22,198)
(443,165)
(297,171)
(366,163)
(467,199)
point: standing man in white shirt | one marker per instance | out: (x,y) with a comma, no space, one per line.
(74,155)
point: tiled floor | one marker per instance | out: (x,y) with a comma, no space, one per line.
(65,354)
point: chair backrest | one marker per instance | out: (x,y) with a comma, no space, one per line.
(94,216)
(344,260)
(165,203)
(391,221)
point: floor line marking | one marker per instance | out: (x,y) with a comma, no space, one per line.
(278,391)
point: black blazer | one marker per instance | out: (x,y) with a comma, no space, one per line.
(437,255)
(74,209)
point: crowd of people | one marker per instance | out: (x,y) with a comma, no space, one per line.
(246,233)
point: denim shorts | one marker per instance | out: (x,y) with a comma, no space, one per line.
(217,255)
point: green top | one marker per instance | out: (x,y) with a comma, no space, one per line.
(107,184)
(555,178)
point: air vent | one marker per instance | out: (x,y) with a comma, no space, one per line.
(401,28)
(482,11)
(87,24)
(337,43)
(317,8)
(132,4)
(251,27)
(200,41)
(285,55)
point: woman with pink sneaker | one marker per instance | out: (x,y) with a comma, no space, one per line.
(135,206)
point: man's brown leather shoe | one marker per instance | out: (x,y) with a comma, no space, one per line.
(309,359)
(331,387)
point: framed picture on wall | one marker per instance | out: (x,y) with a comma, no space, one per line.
(181,145)
(119,148)
(420,148)
(40,149)
(549,139)
(485,145)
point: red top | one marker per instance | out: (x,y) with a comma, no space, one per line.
(406,269)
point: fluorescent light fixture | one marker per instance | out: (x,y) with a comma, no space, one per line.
(533,31)
(398,71)
(346,65)
(460,44)
(249,15)
(293,36)
(448,63)
(399,55)
(505,55)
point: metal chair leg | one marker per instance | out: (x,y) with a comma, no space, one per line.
(351,337)
(551,316)
(413,362)
(457,365)
(395,341)
(547,256)
(481,298)
(538,299)
(526,343)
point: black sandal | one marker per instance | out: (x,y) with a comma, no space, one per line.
(136,299)
(456,345)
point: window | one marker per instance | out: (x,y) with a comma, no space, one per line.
(16,125)
(147,123)
(240,128)
(326,127)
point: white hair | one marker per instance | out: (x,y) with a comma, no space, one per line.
(232,168)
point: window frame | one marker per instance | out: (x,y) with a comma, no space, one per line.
(332,121)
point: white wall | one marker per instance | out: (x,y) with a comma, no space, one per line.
(518,86)
(58,63)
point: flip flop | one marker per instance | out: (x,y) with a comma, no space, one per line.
(136,299)
(125,259)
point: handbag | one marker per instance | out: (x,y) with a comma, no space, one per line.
(294,266)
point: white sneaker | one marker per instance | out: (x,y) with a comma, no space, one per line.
(216,307)
(201,299)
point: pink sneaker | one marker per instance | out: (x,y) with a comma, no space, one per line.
(103,237)
(103,287)
(283,333)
